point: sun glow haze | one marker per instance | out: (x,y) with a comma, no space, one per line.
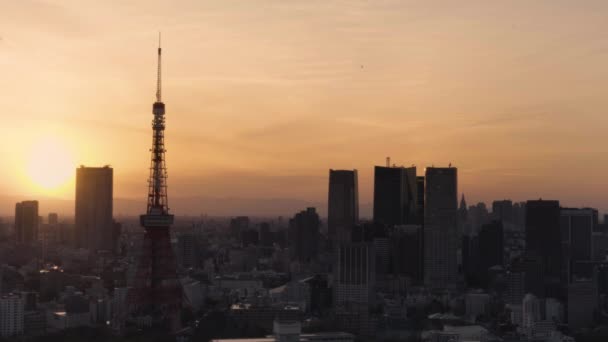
(50,166)
(264,97)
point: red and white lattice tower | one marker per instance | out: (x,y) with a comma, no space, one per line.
(156,291)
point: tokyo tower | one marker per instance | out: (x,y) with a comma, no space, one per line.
(157,292)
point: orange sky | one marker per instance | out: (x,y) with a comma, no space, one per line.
(263,97)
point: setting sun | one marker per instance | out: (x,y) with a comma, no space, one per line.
(50,164)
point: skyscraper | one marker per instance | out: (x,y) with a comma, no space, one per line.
(11,315)
(583,302)
(577,226)
(407,251)
(440,227)
(395,195)
(420,201)
(343,204)
(53,218)
(491,248)
(354,273)
(503,210)
(543,239)
(94,195)
(304,235)
(26,221)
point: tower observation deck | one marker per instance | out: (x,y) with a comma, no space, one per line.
(157,292)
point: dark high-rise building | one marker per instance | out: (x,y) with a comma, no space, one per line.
(53,219)
(491,248)
(420,201)
(470,260)
(94,225)
(440,227)
(343,204)
(543,239)
(250,237)
(266,236)
(238,225)
(503,210)
(26,221)
(354,273)
(577,226)
(583,302)
(304,235)
(406,252)
(395,195)
(186,250)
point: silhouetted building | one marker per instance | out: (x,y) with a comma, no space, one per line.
(407,251)
(53,219)
(343,204)
(515,287)
(238,225)
(250,237)
(395,195)
(354,274)
(304,235)
(577,226)
(503,211)
(186,250)
(470,260)
(543,239)
(583,302)
(420,200)
(26,221)
(11,315)
(490,247)
(94,193)
(266,236)
(532,266)
(440,227)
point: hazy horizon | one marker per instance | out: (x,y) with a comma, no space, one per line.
(264,98)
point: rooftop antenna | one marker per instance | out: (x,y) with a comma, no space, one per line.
(158,73)
(388,161)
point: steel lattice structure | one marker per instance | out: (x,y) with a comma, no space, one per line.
(157,291)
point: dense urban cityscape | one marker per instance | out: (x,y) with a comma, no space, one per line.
(428,265)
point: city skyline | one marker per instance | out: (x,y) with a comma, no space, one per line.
(308,177)
(375,83)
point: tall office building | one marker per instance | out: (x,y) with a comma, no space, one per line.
(503,210)
(26,221)
(94,191)
(577,226)
(354,282)
(11,315)
(543,240)
(583,302)
(354,273)
(531,311)
(53,219)
(304,235)
(343,205)
(237,225)
(395,195)
(491,249)
(440,227)
(420,201)
(407,252)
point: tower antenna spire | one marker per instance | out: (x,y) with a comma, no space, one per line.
(157,291)
(158,73)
